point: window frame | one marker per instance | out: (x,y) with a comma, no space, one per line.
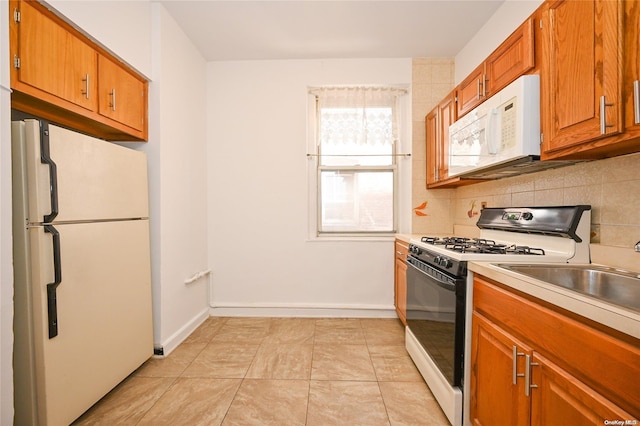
(315,168)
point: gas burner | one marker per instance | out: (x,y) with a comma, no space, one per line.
(480,245)
(525,250)
(445,240)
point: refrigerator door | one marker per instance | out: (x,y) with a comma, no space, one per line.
(103,314)
(87,178)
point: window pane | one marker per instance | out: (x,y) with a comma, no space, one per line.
(356,201)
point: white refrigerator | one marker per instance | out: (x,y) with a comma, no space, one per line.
(82,279)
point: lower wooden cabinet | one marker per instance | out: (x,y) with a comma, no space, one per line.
(534,364)
(495,398)
(400,279)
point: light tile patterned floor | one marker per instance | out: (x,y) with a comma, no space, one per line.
(277,371)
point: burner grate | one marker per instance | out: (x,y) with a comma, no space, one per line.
(481,245)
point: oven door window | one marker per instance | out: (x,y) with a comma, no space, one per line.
(433,316)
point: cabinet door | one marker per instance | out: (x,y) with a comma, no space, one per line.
(471,91)
(400,286)
(54,60)
(497,379)
(513,58)
(438,122)
(559,398)
(431,122)
(583,87)
(122,96)
(446,117)
(631,87)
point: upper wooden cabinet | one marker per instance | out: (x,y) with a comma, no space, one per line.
(581,88)
(53,60)
(437,127)
(59,74)
(122,96)
(513,58)
(590,98)
(471,91)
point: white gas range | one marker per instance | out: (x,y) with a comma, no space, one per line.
(439,297)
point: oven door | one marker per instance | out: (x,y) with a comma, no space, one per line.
(435,316)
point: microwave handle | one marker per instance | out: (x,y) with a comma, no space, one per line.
(493,132)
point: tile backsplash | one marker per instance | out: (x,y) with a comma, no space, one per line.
(611,186)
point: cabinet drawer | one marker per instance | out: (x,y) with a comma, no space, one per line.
(574,345)
(401,250)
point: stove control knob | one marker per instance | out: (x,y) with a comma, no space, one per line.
(445,263)
(415,250)
(437,260)
(527,215)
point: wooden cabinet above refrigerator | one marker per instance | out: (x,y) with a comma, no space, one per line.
(59,74)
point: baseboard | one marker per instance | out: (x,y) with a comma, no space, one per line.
(304,310)
(165,348)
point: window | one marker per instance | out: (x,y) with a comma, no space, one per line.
(356,134)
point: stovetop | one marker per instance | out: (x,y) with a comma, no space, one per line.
(481,245)
(526,234)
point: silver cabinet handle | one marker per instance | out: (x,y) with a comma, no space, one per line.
(527,375)
(399,253)
(480,94)
(86,86)
(112,105)
(484,85)
(603,115)
(636,101)
(516,354)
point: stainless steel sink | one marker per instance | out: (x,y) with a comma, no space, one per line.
(616,286)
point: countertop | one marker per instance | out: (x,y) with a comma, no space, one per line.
(407,237)
(617,318)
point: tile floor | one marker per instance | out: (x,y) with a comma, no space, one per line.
(277,371)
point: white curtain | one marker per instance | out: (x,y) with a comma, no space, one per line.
(360,115)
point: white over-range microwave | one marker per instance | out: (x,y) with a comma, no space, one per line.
(500,137)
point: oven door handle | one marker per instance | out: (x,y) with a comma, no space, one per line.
(444,284)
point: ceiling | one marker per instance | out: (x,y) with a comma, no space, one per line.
(256,30)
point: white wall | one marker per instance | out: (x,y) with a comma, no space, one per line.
(178,184)
(6,254)
(501,24)
(262,260)
(124,27)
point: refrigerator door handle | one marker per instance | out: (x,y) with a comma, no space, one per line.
(45,158)
(52,305)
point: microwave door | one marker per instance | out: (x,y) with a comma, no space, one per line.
(468,146)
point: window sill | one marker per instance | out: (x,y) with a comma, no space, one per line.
(352,238)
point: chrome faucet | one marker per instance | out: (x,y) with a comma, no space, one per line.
(637,248)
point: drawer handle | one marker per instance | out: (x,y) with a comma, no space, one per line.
(399,253)
(85,92)
(527,375)
(636,101)
(112,105)
(516,354)
(603,115)
(478,88)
